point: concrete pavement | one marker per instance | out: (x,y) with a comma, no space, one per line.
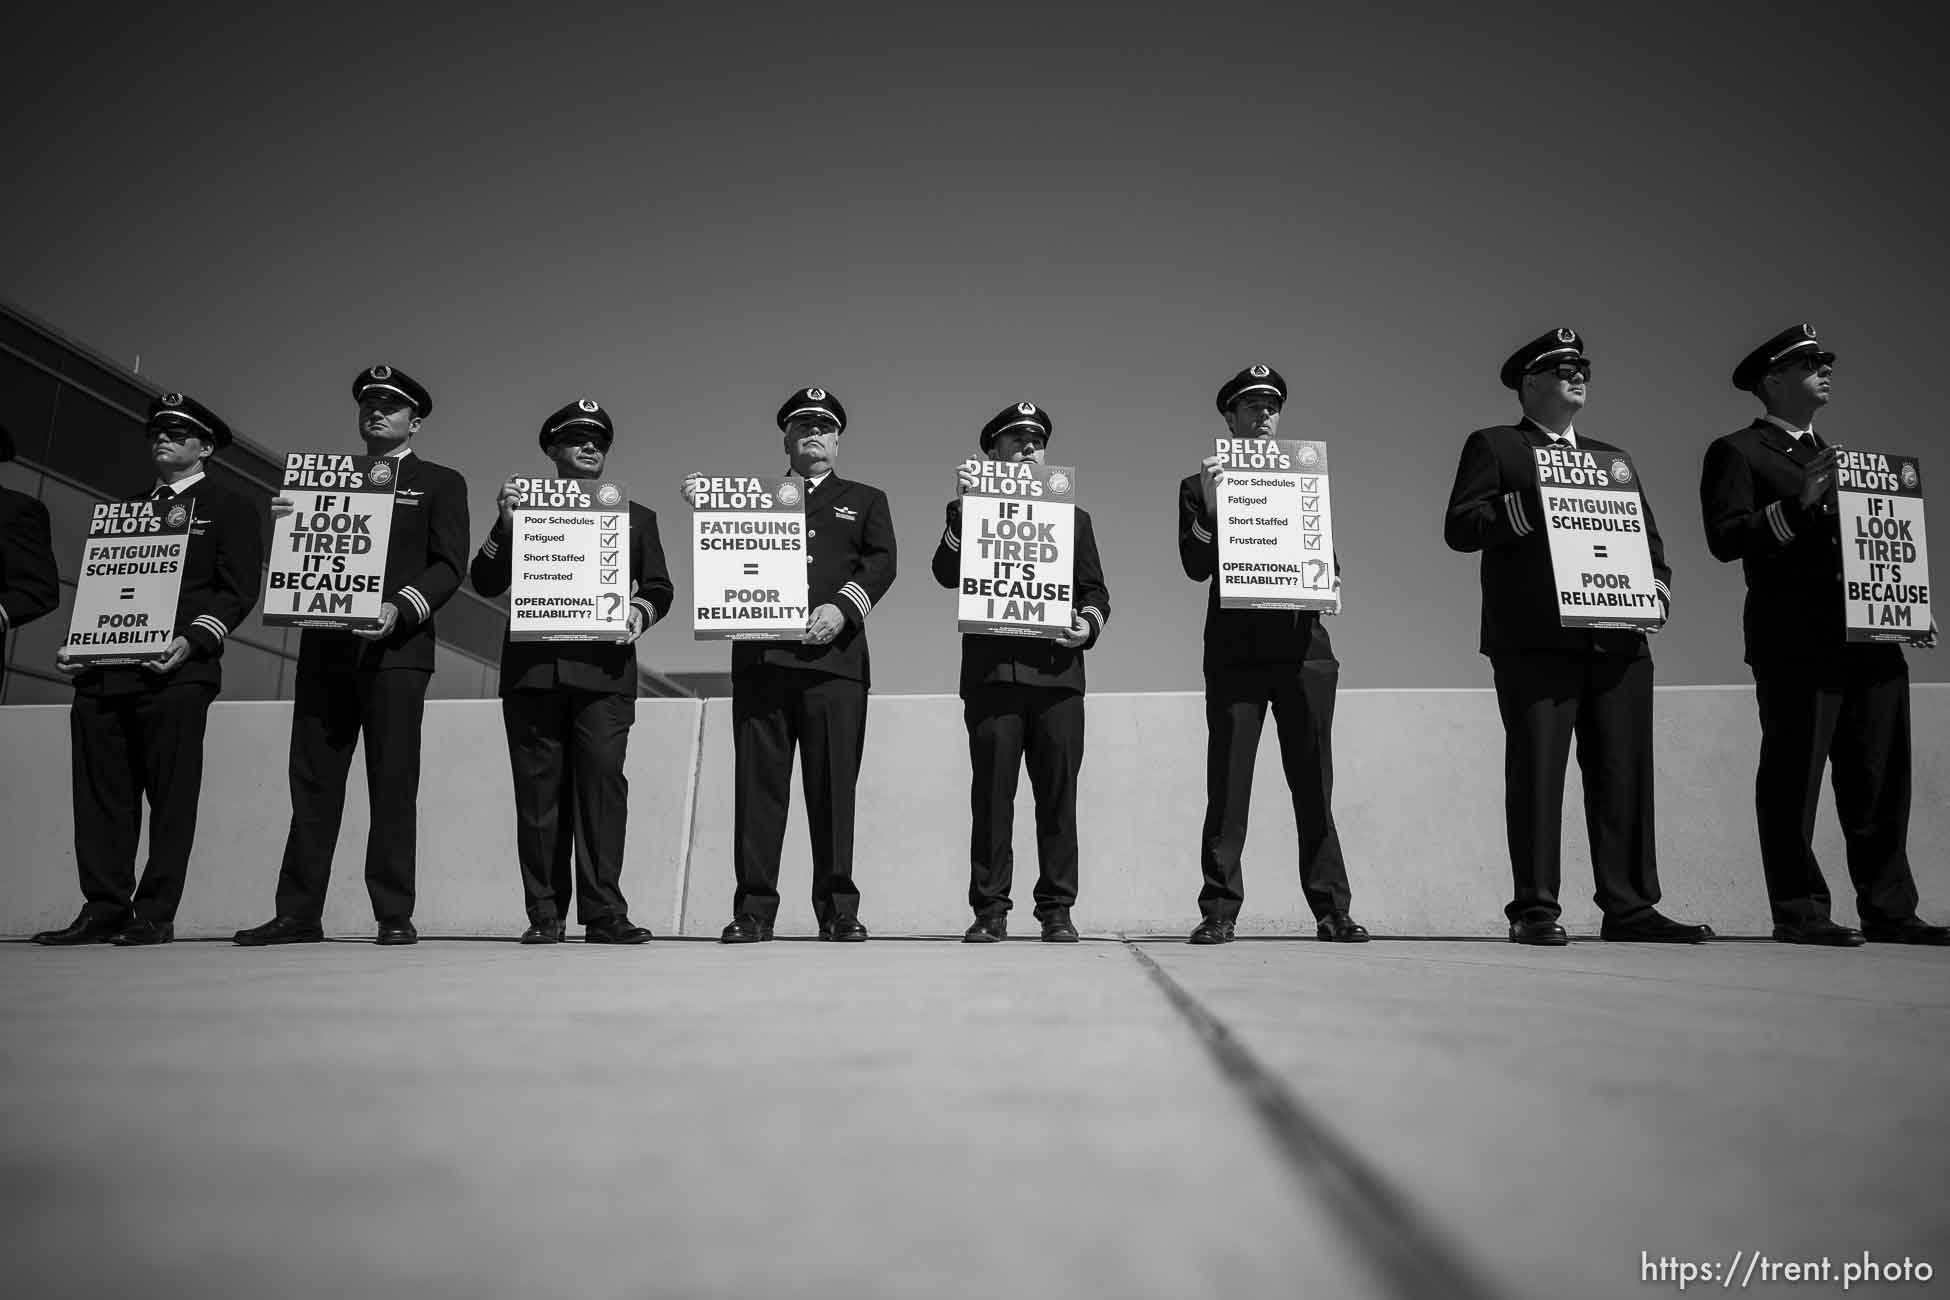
(919,1118)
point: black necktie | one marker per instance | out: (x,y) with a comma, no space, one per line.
(163,492)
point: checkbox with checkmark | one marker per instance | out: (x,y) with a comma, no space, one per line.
(608,539)
(1310,503)
(1313,541)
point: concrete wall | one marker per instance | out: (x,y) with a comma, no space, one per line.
(1418,801)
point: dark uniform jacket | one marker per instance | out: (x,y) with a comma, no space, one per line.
(1792,557)
(988,660)
(850,565)
(30,584)
(424,562)
(601,667)
(1238,638)
(223,569)
(1495,507)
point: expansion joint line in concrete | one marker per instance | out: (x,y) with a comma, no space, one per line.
(1410,1256)
(690,825)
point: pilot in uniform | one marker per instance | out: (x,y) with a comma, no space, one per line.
(1022,700)
(1767,494)
(30,584)
(372,683)
(810,694)
(1255,659)
(138,731)
(1556,684)
(568,706)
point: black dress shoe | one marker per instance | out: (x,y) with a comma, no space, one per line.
(1212,930)
(1909,931)
(1653,928)
(544,932)
(1539,932)
(397,934)
(746,928)
(1057,929)
(614,929)
(844,929)
(1820,932)
(281,929)
(987,929)
(141,934)
(85,928)
(1339,927)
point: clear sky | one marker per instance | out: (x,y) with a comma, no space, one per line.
(689,211)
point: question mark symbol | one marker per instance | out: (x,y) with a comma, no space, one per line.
(615,604)
(1316,575)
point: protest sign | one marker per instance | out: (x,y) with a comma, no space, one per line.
(1885,551)
(570,561)
(1594,520)
(131,576)
(1018,549)
(328,556)
(1276,526)
(748,559)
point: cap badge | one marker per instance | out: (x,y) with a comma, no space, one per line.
(586,404)
(381,373)
(1807,330)
(172,399)
(1565,334)
(788,493)
(1621,471)
(1259,372)
(380,474)
(815,394)
(1025,408)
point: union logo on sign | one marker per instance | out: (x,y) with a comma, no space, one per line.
(1059,484)
(177,517)
(1909,475)
(789,494)
(380,474)
(608,494)
(1621,471)
(1309,455)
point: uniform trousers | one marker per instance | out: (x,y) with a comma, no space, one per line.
(329,712)
(1008,723)
(127,747)
(1604,703)
(773,711)
(1302,699)
(566,749)
(1852,713)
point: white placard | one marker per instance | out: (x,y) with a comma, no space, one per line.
(1276,526)
(328,556)
(1018,549)
(1601,557)
(1885,549)
(131,580)
(570,562)
(748,559)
